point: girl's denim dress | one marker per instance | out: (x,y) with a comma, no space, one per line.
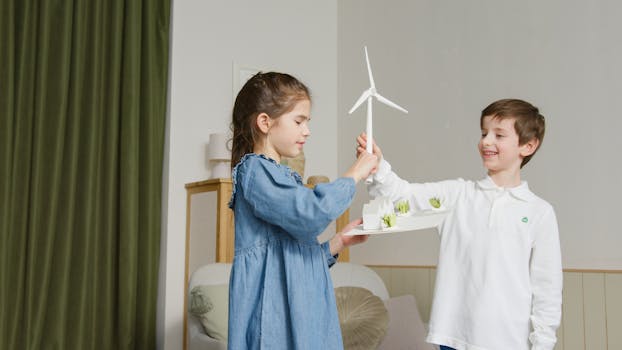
(281,294)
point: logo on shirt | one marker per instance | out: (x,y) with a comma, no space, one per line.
(524,219)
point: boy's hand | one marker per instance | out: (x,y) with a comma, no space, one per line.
(361,144)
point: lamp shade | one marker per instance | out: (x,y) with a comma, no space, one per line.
(217,149)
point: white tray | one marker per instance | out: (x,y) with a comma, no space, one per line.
(417,221)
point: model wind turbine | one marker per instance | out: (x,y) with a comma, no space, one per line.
(367,95)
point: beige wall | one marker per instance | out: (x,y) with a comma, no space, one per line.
(208,37)
(445,60)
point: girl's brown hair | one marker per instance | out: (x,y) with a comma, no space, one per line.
(528,122)
(272,93)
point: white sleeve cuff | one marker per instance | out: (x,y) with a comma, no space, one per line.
(384,169)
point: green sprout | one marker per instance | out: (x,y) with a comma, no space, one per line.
(435,202)
(389,219)
(403,207)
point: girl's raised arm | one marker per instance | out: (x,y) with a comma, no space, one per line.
(281,201)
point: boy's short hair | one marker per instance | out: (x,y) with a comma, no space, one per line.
(528,122)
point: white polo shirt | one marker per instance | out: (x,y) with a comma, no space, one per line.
(499,275)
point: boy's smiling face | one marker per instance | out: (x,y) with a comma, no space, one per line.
(499,146)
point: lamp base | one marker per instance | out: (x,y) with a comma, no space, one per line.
(221,169)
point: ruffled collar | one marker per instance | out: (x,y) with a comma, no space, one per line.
(234,172)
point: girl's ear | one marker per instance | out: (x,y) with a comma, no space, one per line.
(263,122)
(530,147)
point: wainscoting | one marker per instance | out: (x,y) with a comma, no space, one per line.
(591,313)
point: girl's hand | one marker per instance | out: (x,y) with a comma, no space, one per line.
(361,144)
(364,165)
(352,240)
(339,242)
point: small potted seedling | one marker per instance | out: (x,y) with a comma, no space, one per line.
(375,211)
(389,220)
(436,204)
(402,207)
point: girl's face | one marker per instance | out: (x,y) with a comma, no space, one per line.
(499,146)
(287,135)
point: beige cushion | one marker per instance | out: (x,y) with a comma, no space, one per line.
(210,304)
(346,274)
(363,318)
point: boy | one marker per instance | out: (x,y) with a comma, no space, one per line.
(499,275)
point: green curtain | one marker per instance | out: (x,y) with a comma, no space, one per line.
(83,89)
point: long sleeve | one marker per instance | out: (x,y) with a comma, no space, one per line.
(387,183)
(330,259)
(280,200)
(546,281)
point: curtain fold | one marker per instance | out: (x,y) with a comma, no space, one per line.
(83,89)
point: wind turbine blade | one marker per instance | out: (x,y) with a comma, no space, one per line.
(389,103)
(361,99)
(371,77)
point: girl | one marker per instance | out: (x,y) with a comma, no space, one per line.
(281,295)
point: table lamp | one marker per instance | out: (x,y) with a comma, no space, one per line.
(219,156)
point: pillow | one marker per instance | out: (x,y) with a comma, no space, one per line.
(363,318)
(210,304)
